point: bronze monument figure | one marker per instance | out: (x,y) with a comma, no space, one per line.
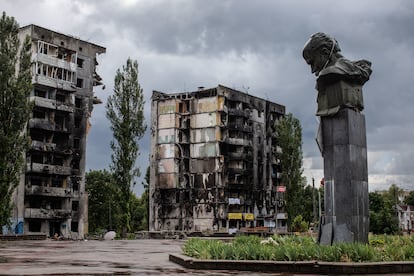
(341,139)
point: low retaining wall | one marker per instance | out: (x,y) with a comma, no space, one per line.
(313,267)
(21,237)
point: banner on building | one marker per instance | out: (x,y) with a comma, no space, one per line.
(248,216)
(281,189)
(235,216)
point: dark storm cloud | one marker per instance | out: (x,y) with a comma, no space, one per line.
(254,46)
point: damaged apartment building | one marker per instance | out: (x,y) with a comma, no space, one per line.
(51,198)
(214,162)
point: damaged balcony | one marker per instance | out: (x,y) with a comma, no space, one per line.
(48,169)
(41,213)
(42,146)
(36,190)
(51,104)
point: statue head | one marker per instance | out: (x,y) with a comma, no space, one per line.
(319,51)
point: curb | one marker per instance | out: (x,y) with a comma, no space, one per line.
(294,267)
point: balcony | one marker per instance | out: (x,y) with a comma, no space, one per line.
(41,124)
(238,112)
(52,82)
(40,213)
(52,104)
(240,127)
(48,169)
(47,191)
(55,62)
(238,141)
(43,146)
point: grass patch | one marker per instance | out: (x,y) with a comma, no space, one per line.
(301,248)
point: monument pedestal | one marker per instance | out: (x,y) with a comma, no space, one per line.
(344,150)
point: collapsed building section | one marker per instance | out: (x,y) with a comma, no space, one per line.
(51,197)
(214,163)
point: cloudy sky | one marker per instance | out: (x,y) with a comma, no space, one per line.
(253,46)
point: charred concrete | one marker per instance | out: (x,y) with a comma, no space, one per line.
(214,164)
(51,198)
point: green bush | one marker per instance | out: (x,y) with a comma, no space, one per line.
(301,248)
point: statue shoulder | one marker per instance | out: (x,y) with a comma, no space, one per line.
(355,71)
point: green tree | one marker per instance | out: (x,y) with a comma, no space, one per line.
(140,207)
(125,111)
(409,199)
(382,216)
(15,87)
(103,211)
(289,133)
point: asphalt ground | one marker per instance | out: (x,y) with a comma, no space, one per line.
(117,257)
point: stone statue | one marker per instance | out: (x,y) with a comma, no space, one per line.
(341,139)
(322,53)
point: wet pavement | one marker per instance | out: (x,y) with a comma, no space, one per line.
(119,257)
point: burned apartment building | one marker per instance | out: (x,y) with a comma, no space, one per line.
(214,162)
(51,198)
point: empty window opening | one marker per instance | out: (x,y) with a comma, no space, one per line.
(40,93)
(75,205)
(76,143)
(79,83)
(39,114)
(60,122)
(58,160)
(75,185)
(36,181)
(55,204)
(80,61)
(74,226)
(36,136)
(37,158)
(78,102)
(75,164)
(60,97)
(35,226)
(57,182)
(78,122)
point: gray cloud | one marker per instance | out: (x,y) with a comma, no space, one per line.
(254,46)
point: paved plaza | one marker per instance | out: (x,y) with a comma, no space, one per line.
(118,257)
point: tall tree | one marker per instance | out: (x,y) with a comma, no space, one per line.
(15,87)
(125,111)
(103,204)
(289,133)
(382,216)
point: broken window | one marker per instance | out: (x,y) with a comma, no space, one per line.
(80,61)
